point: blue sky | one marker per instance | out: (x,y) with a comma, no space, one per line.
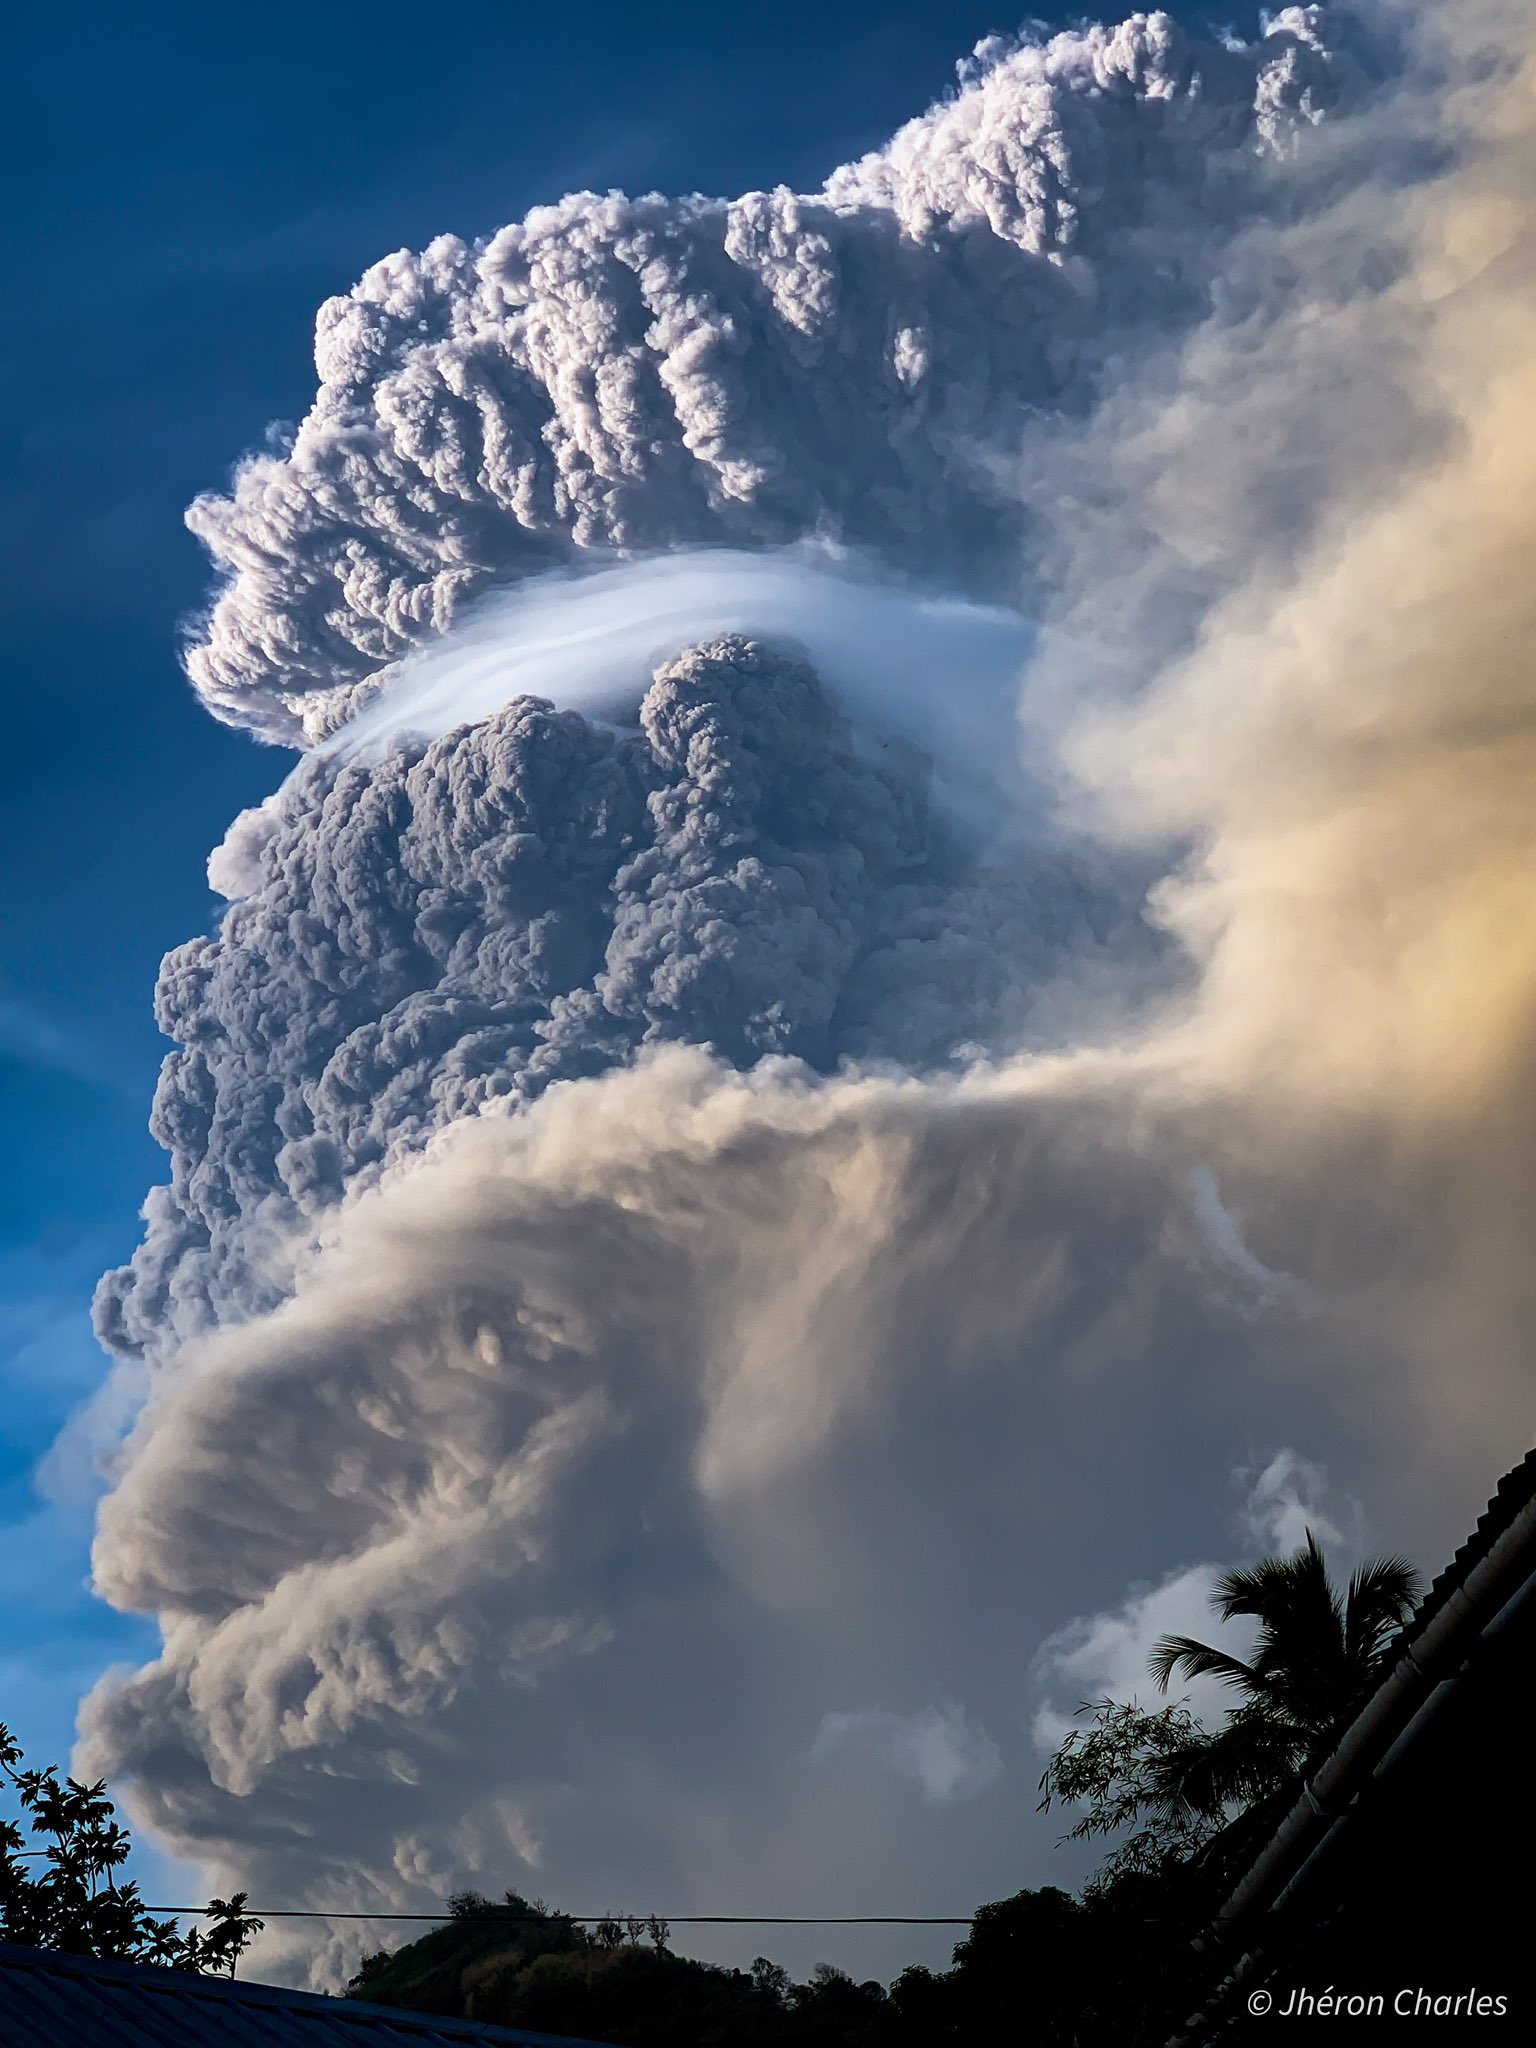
(188,184)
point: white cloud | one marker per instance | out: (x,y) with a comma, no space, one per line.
(1251,1285)
(1105,1655)
(939,1747)
(1291,1495)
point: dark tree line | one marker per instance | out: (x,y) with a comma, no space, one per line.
(1041,1956)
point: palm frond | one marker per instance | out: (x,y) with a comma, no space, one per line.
(1249,1589)
(1300,1615)
(1382,1593)
(1175,1654)
(1277,1585)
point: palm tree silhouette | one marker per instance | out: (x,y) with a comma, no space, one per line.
(1315,1657)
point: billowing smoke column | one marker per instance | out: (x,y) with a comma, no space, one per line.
(636,374)
(692,1251)
(534,898)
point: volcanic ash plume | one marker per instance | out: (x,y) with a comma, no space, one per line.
(534,898)
(688,1259)
(634,374)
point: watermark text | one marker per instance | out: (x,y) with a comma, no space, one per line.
(1413,2001)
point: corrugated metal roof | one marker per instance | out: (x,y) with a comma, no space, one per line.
(1511,1494)
(48,2000)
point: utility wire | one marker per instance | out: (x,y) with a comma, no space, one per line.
(597,1919)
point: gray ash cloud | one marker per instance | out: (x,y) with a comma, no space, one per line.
(534,899)
(642,373)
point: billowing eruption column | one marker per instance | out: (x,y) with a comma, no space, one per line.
(529,900)
(636,374)
(686,1257)
(536,898)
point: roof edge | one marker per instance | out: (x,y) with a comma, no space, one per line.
(1489,1573)
(158,1981)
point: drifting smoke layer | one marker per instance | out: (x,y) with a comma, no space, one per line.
(642,1488)
(606,1459)
(644,373)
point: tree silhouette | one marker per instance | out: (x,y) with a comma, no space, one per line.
(1113,1969)
(59,1888)
(1112,1769)
(1185,1800)
(1316,1655)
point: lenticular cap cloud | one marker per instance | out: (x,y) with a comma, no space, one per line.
(941,672)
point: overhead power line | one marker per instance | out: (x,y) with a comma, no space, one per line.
(597,1919)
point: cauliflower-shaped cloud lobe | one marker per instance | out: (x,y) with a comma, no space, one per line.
(639,373)
(535,898)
